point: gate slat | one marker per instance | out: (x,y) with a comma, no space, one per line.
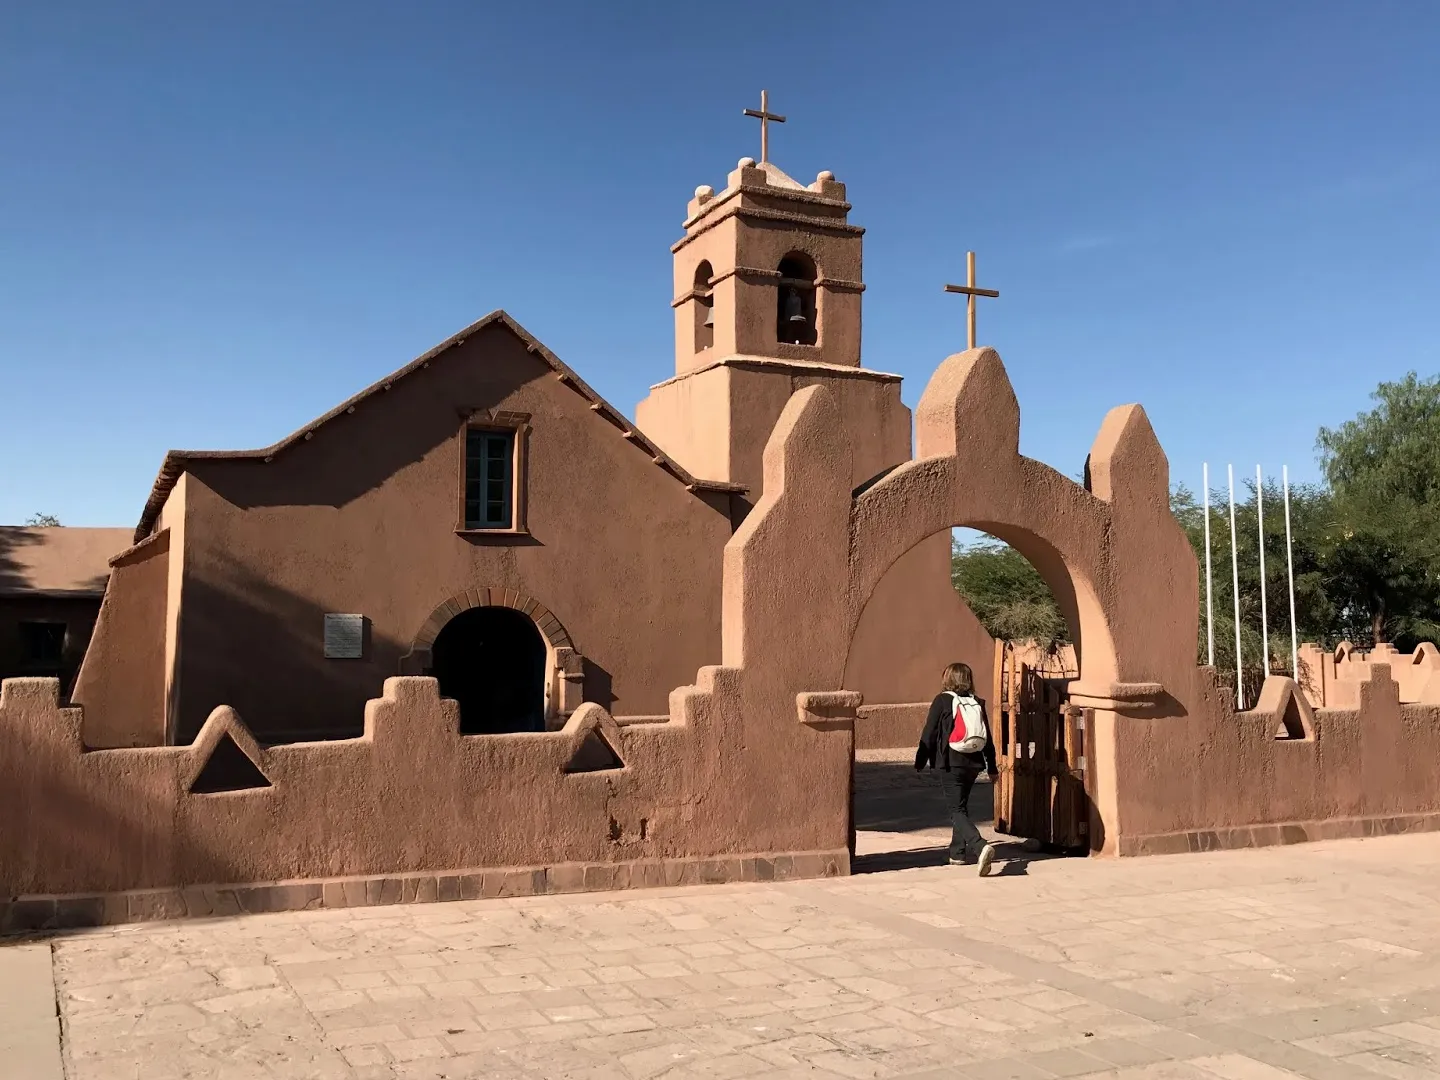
(1041,792)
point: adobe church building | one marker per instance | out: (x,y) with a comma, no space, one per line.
(482,515)
(568,655)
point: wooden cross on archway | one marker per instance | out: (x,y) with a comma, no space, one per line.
(971,292)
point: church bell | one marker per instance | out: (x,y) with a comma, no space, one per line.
(709,315)
(794,308)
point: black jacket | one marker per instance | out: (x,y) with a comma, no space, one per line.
(935,741)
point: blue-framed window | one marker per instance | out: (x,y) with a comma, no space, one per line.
(489,479)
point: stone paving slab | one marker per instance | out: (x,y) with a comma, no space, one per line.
(29,1023)
(1319,961)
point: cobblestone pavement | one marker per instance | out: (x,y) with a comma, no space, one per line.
(1319,961)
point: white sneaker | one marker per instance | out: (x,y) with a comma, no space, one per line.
(987,856)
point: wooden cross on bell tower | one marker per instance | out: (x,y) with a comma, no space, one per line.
(765,116)
(971,292)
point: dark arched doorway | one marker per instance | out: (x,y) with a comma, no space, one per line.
(492,661)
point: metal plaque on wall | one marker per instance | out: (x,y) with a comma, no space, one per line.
(344,637)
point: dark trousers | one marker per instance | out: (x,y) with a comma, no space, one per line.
(965,839)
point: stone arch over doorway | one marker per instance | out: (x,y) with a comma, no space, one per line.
(564,665)
(1109,549)
(885,529)
(812,552)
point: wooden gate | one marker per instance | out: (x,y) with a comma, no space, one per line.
(1040,742)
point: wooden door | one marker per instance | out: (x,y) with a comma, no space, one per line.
(1040,741)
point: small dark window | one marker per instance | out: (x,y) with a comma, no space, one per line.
(42,644)
(489,479)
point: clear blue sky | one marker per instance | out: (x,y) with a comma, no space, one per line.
(218,220)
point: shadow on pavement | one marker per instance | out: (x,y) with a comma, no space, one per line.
(905,818)
(891,797)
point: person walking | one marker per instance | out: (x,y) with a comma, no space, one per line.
(957,740)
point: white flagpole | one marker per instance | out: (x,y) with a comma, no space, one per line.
(1209,604)
(1235,572)
(1290,572)
(1264,610)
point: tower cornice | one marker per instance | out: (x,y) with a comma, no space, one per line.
(701,224)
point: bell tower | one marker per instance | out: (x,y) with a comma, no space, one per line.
(767,300)
(768,268)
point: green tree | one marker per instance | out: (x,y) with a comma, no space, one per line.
(1384,585)
(1383,544)
(1392,452)
(1006,593)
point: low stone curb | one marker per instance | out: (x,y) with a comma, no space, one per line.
(1255,836)
(30,914)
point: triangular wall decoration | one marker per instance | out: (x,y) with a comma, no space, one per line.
(595,754)
(1292,724)
(228,769)
(1282,699)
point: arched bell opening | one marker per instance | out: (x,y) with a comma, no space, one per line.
(795,316)
(704,307)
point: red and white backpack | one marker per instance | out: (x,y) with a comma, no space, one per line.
(968,733)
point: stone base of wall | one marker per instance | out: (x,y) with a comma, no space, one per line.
(886,727)
(28,914)
(1247,836)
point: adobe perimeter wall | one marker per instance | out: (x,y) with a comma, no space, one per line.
(1332,679)
(1281,772)
(747,778)
(409,811)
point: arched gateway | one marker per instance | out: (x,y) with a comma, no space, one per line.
(812,552)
